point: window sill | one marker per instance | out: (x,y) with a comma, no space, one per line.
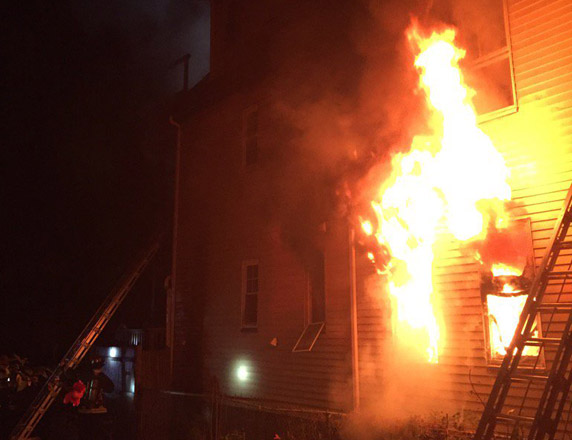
(501,112)
(253,329)
(526,364)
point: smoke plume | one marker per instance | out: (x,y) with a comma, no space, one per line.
(345,101)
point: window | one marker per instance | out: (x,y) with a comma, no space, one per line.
(250,286)
(484,32)
(316,289)
(508,262)
(308,337)
(503,313)
(250,136)
(315,302)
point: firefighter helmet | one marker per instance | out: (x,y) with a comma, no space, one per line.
(97,362)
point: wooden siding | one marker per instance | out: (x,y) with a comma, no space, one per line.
(536,143)
(240,228)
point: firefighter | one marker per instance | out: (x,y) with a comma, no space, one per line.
(95,422)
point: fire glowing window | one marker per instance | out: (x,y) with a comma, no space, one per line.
(503,313)
(250,286)
(250,136)
(484,33)
(508,274)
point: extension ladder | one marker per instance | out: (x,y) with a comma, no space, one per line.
(80,347)
(529,400)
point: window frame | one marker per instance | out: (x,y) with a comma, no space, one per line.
(319,329)
(496,56)
(309,303)
(493,361)
(244,293)
(317,326)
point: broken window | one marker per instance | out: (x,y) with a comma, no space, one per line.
(250,288)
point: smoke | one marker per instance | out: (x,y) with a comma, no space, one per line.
(510,246)
(346,97)
(345,100)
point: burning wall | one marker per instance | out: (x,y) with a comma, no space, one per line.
(347,103)
(436,192)
(414,210)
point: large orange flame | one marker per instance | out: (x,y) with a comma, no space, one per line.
(453,182)
(500,269)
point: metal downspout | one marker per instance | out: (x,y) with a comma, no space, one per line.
(171,312)
(353,320)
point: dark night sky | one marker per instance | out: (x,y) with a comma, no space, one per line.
(87,155)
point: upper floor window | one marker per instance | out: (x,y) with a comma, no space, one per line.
(484,33)
(250,288)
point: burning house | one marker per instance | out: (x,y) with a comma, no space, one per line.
(363,199)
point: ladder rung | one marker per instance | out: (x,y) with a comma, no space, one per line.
(559,275)
(524,376)
(550,306)
(538,341)
(515,418)
(565,245)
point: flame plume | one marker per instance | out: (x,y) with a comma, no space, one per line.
(453,182)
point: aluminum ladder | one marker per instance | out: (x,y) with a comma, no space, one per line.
(49,392)
(529,400)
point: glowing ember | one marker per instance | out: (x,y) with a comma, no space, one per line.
(500,269)
(367,227)
(504,313)
(454,180)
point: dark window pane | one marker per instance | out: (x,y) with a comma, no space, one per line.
(493,86)
(250,310)
(251,286)
(251,272)
(317,288)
